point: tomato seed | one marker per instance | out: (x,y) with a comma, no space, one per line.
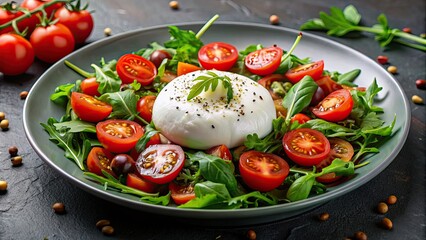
(324,216)
(391,200)
(4,124)
(382,59)
(392,69)
(23,94)
(102,223)
(421,84)
(2,115)
(360,236)
(3,185)
(382,208)
(108,230)
(274,19)
(16,161)
(13,151)
(58,208)
(251,234)
(174,5)
(386,223)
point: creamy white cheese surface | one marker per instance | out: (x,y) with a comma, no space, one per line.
(209,120)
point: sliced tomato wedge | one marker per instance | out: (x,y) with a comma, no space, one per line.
(314,70)
(184,68)
(327,84)
(90,87)
(89,108)
(132,67)
(161,163)
(119,136)
(218,55)
(305,146)
(181,193)
(267,81)
(99,159)
(335,107)
(264,61)
(144,107)
(262,171)
(140,183)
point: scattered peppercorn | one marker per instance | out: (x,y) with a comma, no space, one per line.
(421,84)
(174,5)
(3,185)
(386,223)
(407,30)
(382,59)
(16,161)
(23,94)
(416,99)
(2,115)
(324,216)
(360,236)
(274,19)
(102,223)
(392,69)
(13,151)
(251,234)
(4,124)
(59,208)
(108,230)
(382,208)
(107,31)
(391,200)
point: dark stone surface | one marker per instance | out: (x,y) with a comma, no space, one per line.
(25,209)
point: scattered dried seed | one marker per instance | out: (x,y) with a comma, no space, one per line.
(4,124)
(392,69)
(251,234)
(102,223)
(407,30)
(391,200)
(107,31)
(59,208)
(108,230)
(3,185)
(360,236)
(382,59)
(174,5)
(23,94)
(2,115)
(324,216)
(421,84)
(416,99)
(386,223)
(13,151)
(382,208)
(274,19)
(16,161)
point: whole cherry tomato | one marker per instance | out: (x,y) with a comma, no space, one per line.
(16,53)
(78,21)
(32,21)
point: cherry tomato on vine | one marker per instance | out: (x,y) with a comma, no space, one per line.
(140,183)
(218,55)
(314,70)
(16,53)
(305,146)
(335,107)
(184,68)
(32,21)
(89,108)
(264,61)
(300,117)
(161,163)
(52,43)
(99,159)
(119,136)
(90,87)
(181,193)
(132,67)
(144,107)
(262,171)
(7,13)
(78,21)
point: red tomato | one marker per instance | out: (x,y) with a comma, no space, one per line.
(218,55)
(79,22)
(339,148)
(335,107)
(300,117)
(52,43)
(161,163)
(139,183)
(118,136)
(132,67)
(90,87)
(181,193)
(221,151)
(99,159)
(267,81)
(16,53)
(314,70)
(305,146)
(32,21)
(89,108)
(262,171)
(7,14)
(184,68)
(144,107)
(279,108)
(264,61)
(327,84)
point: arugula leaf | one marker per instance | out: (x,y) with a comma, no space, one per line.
(272,142)
(109,82)
(329,129)
(123,104)
(62,94)
(211,82)
(76,126)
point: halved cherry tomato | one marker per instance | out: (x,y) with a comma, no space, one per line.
(305,146)
(132,67)
(144,107)
(262,171)
(218,55)
(181,193)
(335,107)
(339,148)
(184,68)
(90,87)
(314,70)
(99,159)
(267,81)
(139,183)
(300,117)
(221,151)
(264,61)
(327,84)
(118,136)
(168,76)
(89,108)
(161,163)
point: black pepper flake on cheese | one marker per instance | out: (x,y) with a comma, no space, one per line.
(213,126)
(254,100)
(171,98)
(186,112)
(238,120)
(261,98)
(251,112)
(198,114)
(177,107)
(254,93)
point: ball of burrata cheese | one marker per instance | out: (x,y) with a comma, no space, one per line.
(210,118)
